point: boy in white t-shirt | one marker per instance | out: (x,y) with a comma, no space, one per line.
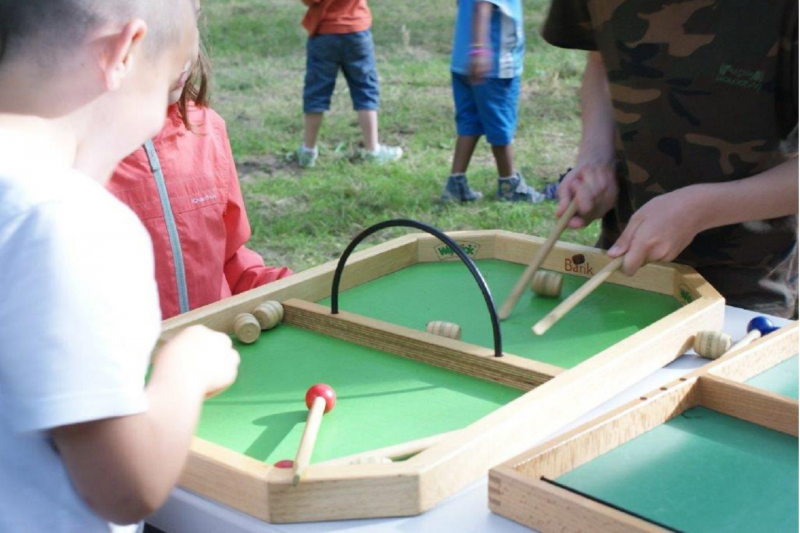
(83,442)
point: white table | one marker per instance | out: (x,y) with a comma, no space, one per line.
(466,512)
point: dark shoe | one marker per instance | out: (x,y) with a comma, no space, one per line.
(514,189)
(458,190)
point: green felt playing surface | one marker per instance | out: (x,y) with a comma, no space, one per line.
(701,471)
(382,399)
(446,291)
(780,379)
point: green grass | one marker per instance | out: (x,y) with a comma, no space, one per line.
(302,218)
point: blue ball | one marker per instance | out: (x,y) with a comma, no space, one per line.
(762,324)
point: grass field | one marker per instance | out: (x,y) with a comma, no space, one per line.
(302,218)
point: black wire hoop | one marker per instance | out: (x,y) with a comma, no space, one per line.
(487,295)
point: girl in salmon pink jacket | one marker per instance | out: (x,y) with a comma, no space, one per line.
(183,186)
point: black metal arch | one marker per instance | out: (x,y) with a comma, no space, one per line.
(487,295)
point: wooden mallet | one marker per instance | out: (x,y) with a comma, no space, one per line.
(320,399)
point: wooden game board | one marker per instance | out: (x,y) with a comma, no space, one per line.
(716,450)
(626,331)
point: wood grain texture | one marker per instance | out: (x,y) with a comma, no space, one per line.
(451,354)
(749,403)
(556,397)
(517,491)
(544,507)
(763,354)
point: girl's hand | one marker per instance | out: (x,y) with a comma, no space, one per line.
(479,66)
(203,354)
(660,230)
(594,189)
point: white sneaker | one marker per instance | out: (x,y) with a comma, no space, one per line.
(384,154)
(306,158)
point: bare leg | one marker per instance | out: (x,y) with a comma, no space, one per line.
(465,147)
(313,122)
(504,159)
(368,120)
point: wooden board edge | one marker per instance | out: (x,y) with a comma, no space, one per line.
(228,477)
(550,509)
(763,354)
(446,353)
(330,492)
(477,245)
(748,403)
(563,258)
(313,284)
(587,442)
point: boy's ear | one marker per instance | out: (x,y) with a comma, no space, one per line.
(120,49)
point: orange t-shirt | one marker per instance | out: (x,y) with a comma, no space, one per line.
(337,16)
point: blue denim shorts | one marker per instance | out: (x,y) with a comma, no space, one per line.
(353,53)
(488,108)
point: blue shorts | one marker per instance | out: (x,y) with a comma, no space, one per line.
(489,108)
(353,53)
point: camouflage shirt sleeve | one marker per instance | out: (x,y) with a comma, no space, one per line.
(787,92)
(569,25)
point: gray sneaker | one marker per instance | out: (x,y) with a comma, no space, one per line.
(458,190)
(383,154)
(514,189)
(307,158)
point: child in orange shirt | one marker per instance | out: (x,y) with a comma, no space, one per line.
(339,37)
(183,186)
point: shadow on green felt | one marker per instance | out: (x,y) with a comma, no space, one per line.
(276,427)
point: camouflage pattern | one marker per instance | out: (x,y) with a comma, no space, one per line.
(703,91)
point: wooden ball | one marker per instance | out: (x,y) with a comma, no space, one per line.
(269,314)
(246,328)
(444,329)
(712,344)
(547,284)
(324,391)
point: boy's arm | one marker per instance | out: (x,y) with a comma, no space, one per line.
(665,225)
(125,467)
(480,60)
(592,182)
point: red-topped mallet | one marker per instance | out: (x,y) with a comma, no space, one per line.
(320,399)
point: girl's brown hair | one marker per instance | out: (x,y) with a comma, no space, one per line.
(197,86)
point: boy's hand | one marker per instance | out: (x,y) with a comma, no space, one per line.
(594,188)
(479,66)
(202,353)
(660,230)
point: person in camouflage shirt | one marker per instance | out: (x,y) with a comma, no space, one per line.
(689,148)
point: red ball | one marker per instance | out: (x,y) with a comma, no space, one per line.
(324,391)
(285,463)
